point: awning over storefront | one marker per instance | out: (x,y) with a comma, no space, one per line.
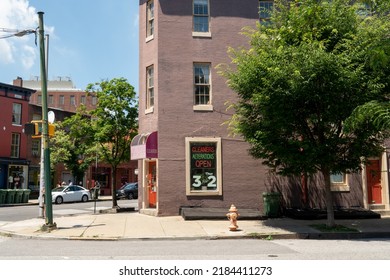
(144,146)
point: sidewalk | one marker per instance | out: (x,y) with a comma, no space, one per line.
(132,225)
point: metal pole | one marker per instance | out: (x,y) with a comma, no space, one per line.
(41,213)
(45,127)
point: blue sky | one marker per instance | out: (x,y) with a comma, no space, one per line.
(89,40)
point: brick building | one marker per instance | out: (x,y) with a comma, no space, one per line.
(14,163)
(186,156)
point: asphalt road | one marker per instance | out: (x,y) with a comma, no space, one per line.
(25,212)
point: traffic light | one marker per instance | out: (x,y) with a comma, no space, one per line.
(35,129)
(37,132)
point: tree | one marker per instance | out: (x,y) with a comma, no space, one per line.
(73,144)
(115,122)
(303,75)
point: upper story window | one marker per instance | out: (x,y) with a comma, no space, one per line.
(51,99)
(39,100)
(62,100)
(201,16)
(15,145)
(150,19)
(265,9)
(72,100)
(83,100)
(94,100)
(202,86)
(16,113)
(150,87)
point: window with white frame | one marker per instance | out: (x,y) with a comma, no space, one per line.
(203,166)
(17,113)
(201,16)
(149,87)
(150,19)
(15,145)
(202,84)
(339,182)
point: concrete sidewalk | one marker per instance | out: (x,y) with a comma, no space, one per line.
(132,225)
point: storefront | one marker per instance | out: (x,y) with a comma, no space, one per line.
(14,174)
(144,147)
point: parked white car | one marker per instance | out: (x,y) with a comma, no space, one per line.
(71,193)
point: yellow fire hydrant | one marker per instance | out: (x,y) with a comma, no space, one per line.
(233,216)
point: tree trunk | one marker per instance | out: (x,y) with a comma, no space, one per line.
(328,198)
(113,188)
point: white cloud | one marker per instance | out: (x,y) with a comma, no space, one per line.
(19,15)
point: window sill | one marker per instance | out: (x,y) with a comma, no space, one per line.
(339,188)
(149,110)
(201,34)
(149,38)
(204,108)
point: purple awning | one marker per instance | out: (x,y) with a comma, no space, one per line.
(144,146)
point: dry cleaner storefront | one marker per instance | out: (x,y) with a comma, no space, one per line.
(144,147)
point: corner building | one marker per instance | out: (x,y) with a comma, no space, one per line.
(186,155)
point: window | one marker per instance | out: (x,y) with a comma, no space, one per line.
(35,147)
(150,19)
(83,99)
(201,16)
(16,113)
(15,145)
(72,100)
(94,100)
(203,166)
(339,182)
(51,99)
(202,84)
(39,100)
(62,100)
(150,87)
(265,8)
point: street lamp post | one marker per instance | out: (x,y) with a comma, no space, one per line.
(45,127)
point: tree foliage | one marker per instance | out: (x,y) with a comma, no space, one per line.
(302,77)
(73,144)
(115,122)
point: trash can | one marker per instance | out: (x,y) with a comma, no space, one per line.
(272,204)
(10,198)
(26,195)
(3,195)
(18,196)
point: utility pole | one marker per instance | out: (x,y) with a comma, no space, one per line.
(45,128)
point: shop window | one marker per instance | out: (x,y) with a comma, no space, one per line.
(203,166)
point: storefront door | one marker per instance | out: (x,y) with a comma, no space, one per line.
(152,184)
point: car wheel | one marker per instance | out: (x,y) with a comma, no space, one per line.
(130,196)
(84,198)
(59,199)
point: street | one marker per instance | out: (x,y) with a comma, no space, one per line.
(241,249)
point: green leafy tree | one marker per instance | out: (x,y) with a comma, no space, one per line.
(73,144)
(115,122)
(303,75)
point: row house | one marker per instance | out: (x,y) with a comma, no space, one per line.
(14,162)
(186,156)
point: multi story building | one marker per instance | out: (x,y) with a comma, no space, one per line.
(186,156)
(63,100)
(14,163)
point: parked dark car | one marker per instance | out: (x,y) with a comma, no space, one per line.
(129,191)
